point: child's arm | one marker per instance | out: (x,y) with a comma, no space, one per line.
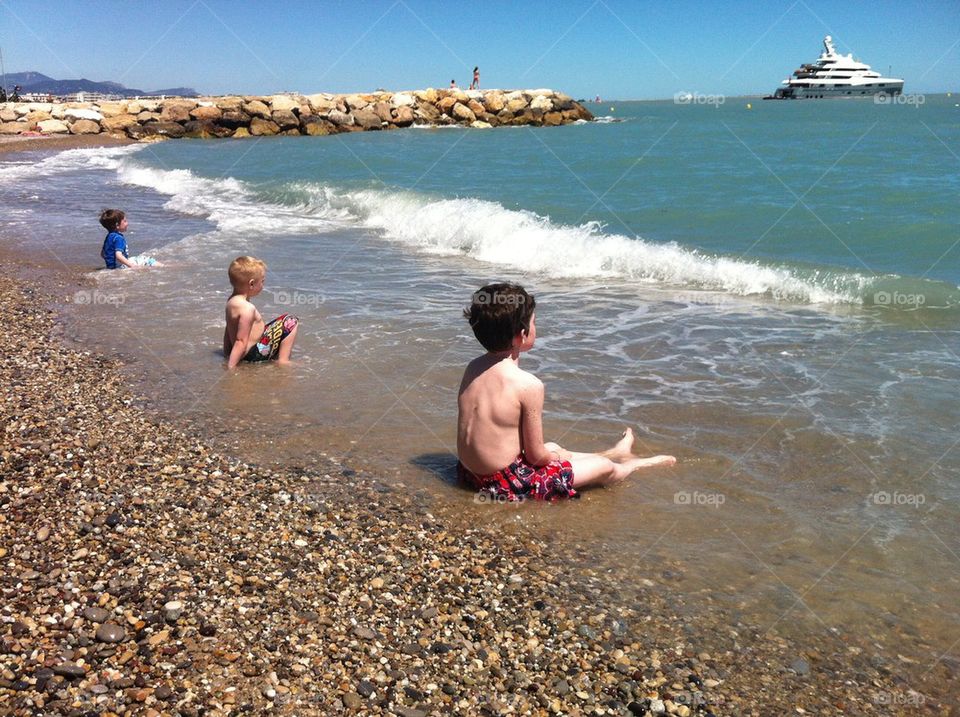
(531,425)
(121,259)
(239,348)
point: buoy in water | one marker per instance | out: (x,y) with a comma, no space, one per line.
(749,106)
(611,109)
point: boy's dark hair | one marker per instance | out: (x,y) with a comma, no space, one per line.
(498,312)
(110,219)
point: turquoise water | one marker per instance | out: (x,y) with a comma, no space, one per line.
(770,294)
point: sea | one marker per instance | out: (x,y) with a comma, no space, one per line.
(767,290)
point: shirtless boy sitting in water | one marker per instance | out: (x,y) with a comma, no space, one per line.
(247,337)
(499,428)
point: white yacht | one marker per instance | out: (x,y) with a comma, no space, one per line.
(835,75)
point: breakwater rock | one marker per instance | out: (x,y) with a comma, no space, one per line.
(290,114)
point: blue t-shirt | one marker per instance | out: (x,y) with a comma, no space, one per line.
(111,245)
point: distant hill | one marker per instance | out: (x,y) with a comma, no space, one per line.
(41,84)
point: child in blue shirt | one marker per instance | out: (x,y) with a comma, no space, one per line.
(114,252)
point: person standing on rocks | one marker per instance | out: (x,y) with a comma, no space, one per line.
(500,407)
(453,84)
(475,85)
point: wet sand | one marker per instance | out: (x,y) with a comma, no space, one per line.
(57,142)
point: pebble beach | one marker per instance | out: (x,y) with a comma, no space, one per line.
(145,571)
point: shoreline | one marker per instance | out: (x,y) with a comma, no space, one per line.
(163,546)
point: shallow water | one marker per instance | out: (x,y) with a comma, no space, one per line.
(816,488)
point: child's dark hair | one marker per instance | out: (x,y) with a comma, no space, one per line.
(498,312)
(110,219)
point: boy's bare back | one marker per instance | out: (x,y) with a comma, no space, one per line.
(494,395)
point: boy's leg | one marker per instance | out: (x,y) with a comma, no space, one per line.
(286,345)
(595,469)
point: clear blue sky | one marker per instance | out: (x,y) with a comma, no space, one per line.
(620,49)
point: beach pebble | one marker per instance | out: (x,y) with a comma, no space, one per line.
(352,701)
(109,632)
(70,670)
(43,533)
(364,633)
(172,610)
(95,614)
(366,688)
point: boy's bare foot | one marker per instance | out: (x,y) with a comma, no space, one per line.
(623,450)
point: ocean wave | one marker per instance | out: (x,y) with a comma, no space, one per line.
(70,160)
(486,231)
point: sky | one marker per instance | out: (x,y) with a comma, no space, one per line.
(618,49)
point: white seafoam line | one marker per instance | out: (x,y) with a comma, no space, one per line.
(480,229)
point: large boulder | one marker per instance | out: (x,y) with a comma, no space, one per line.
(367,119)
(446,105)
(563,102)
(204,129)
(8,115)
(118,123)
(134,107)
(285,119)
(341,119)
(321,103)
(459,95)
(14,127)
(404,117)
(234,119)
(162,129)
(517,104)
(52,126)
(260,127)
(256,108)
(403,99)
(480,125)
(554,119)
(145,117)
(229,103)
(39,107)
(176,110)
(428,113)
(85,126)
(356,102)
(73,113)
(36,116)
(112,109)
(476,107)
(284,103)
(383,110)
(494,102)
(207,112)
(428,95)
(463,113)
(542,103)
(316,126)
(241,132)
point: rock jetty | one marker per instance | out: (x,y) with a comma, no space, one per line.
(289,114)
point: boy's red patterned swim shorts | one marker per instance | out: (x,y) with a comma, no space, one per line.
(520,481)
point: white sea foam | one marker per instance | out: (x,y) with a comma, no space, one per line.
(70,160)
(486,231)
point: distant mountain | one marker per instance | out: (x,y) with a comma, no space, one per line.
(41,84)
